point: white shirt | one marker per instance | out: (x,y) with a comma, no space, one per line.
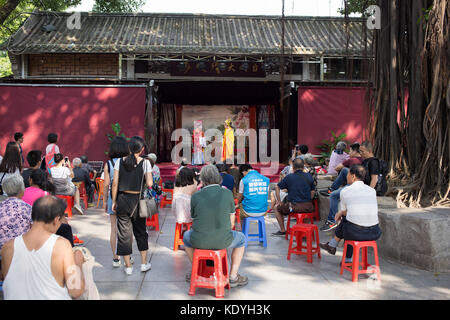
(49,148)
(360,201)
(147,166)
(60,173)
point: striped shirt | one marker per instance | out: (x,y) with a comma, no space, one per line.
(360,201)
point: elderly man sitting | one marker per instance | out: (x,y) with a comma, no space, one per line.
(359,213)
(81,175)
(212,211)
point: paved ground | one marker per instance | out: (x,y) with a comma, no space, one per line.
(271,275)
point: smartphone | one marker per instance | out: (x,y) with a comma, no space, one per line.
(66,159)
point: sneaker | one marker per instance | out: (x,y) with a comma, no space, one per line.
(328,248)
(328,226)
(327,192)
(77,241)
(78,208)
(279,234)
(128,271)
(146,267)
(239,281)
(116,263)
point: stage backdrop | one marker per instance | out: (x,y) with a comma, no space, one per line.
(215,116)
(322,110)
(81,116)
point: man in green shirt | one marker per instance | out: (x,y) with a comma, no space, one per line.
(213,214)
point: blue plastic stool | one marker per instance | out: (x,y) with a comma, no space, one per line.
(261,236)
(1,286)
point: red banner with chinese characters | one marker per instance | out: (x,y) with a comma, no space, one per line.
(217,69)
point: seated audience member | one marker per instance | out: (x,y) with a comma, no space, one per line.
(300,191)
(156,174)
(355,158)
(62,175)
(11,164)
(185,187)
(34,158)
(87,167)
(370,163)
(15,214)
(18,137)
(39,265)
(234,171)
(40,187)
(283,193)
(253,193)
(359,214)
(52,140)
(310,167)
(337,157)
(213,214)
(371,178)
(81,175)
(227,179)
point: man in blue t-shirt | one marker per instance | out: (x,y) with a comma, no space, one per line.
(300,186)
(253,192)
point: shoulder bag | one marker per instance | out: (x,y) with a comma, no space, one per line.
(147,206)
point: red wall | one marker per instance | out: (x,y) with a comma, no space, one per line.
(325,109)
(81,116)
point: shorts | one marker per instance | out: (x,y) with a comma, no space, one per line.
(299,207)
(244,214)
(283,195)
(239,239)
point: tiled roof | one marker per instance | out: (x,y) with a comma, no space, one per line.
(147,33)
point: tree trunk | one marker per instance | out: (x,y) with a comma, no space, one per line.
(7,8)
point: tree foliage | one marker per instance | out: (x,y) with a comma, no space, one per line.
(356,6)
(110,6)
(13,14)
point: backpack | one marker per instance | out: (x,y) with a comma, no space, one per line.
(381,186)
(50,160)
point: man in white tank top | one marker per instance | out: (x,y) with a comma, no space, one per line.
(40,265)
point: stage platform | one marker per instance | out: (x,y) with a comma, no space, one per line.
(168,170)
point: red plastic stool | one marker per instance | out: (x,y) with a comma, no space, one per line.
(164,200)
(216,277)
(69,200)
(353,266)
(237,215)
(316,210)
(311,232)
(179,234)
(300,217)
(153,221)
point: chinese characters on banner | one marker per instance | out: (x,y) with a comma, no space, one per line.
(217,69)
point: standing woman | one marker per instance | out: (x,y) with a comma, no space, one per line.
(11,164)
(118,149)
(128,175)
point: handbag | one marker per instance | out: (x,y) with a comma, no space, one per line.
(147,206)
